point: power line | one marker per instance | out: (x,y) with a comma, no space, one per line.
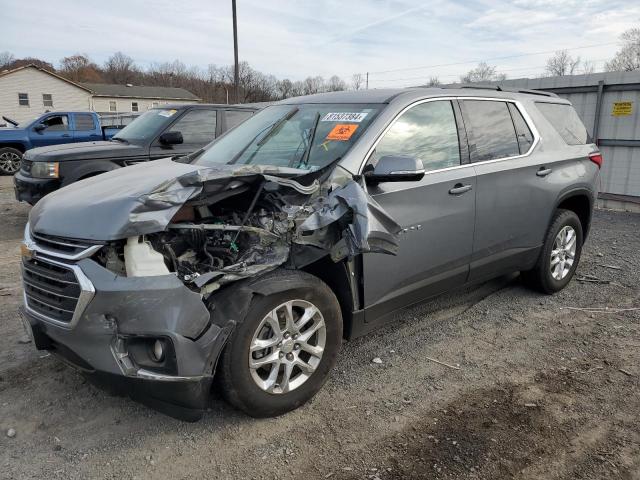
(494,58)
(453,75)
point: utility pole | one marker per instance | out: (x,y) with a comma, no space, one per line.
(236,73)
(367,80)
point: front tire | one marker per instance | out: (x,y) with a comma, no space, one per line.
(279,357)
(560,254)
(10,159)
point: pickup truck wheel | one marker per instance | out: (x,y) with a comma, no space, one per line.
(9,160)
(560,254)
(281,355)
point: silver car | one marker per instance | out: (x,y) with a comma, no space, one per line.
(250,260)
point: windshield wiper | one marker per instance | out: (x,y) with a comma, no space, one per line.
(274,128)
(304,159)
(117,139)
(277,126)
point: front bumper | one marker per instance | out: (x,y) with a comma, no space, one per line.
(123,311)
(30,190)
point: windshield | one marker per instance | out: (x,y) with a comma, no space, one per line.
(146,125)
(306,136)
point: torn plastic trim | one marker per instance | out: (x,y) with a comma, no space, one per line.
(129,369)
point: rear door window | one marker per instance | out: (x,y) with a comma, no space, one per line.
(490,130)
(84,121)
(523,132)
(426,132)
(236,117)
(197,126)
(566,122)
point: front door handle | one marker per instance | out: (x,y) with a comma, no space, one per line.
(459,189)
(66,135)
(543,172)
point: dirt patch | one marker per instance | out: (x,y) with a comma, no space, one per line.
(507,431)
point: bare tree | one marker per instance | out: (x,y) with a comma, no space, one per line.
(6,59)
(336,84)
(120,68)
(433,82)
(23,62)
(588,67)
(80,68)
(482,73)
(313,85)
(562,64)
(284,88)
(357,81)
(627,58)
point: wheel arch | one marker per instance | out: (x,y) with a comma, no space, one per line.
(18,146)
(91,169)
(337,277)
(580,201)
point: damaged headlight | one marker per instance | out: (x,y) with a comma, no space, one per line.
(45,170)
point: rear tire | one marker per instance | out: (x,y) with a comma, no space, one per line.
(266,368)
(560,254)
(10,159)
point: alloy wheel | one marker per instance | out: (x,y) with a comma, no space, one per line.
(9,162)
(287,346)
(563,253)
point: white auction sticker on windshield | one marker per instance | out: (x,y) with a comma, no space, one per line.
(356,117)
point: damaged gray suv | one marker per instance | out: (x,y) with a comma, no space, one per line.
(243,266)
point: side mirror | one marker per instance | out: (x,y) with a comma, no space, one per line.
(395,168)
(171,138)
(40,127)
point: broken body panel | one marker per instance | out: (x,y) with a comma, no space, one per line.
(209,227)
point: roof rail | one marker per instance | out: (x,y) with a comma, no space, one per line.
(535,92)
(481,87)
(499,88)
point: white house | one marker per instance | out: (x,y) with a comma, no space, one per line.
(29,91)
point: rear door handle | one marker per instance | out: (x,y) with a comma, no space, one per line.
(459,189)
(66,135)
(543,172)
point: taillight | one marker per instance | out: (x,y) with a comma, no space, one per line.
(596,158)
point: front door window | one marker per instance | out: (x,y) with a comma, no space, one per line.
(426,132)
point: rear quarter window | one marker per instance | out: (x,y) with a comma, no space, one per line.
(566,122)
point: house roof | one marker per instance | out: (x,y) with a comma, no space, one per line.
(109,90)
(43,70)
(139,91)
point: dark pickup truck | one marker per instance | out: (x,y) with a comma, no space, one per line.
(168,131)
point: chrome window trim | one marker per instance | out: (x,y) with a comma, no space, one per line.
(87,292)
(518,105)
(33,245)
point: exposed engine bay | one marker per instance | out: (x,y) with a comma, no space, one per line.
(243,227)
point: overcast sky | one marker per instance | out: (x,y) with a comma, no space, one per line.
(323,37)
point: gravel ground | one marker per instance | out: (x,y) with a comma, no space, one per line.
(542,389)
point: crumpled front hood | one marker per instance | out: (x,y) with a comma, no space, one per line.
(84,151)
(135,200)
(107,206)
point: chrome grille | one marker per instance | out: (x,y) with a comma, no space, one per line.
(58,244)
(51,290)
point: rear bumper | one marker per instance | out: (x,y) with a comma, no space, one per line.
(30,190)
(108,341)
